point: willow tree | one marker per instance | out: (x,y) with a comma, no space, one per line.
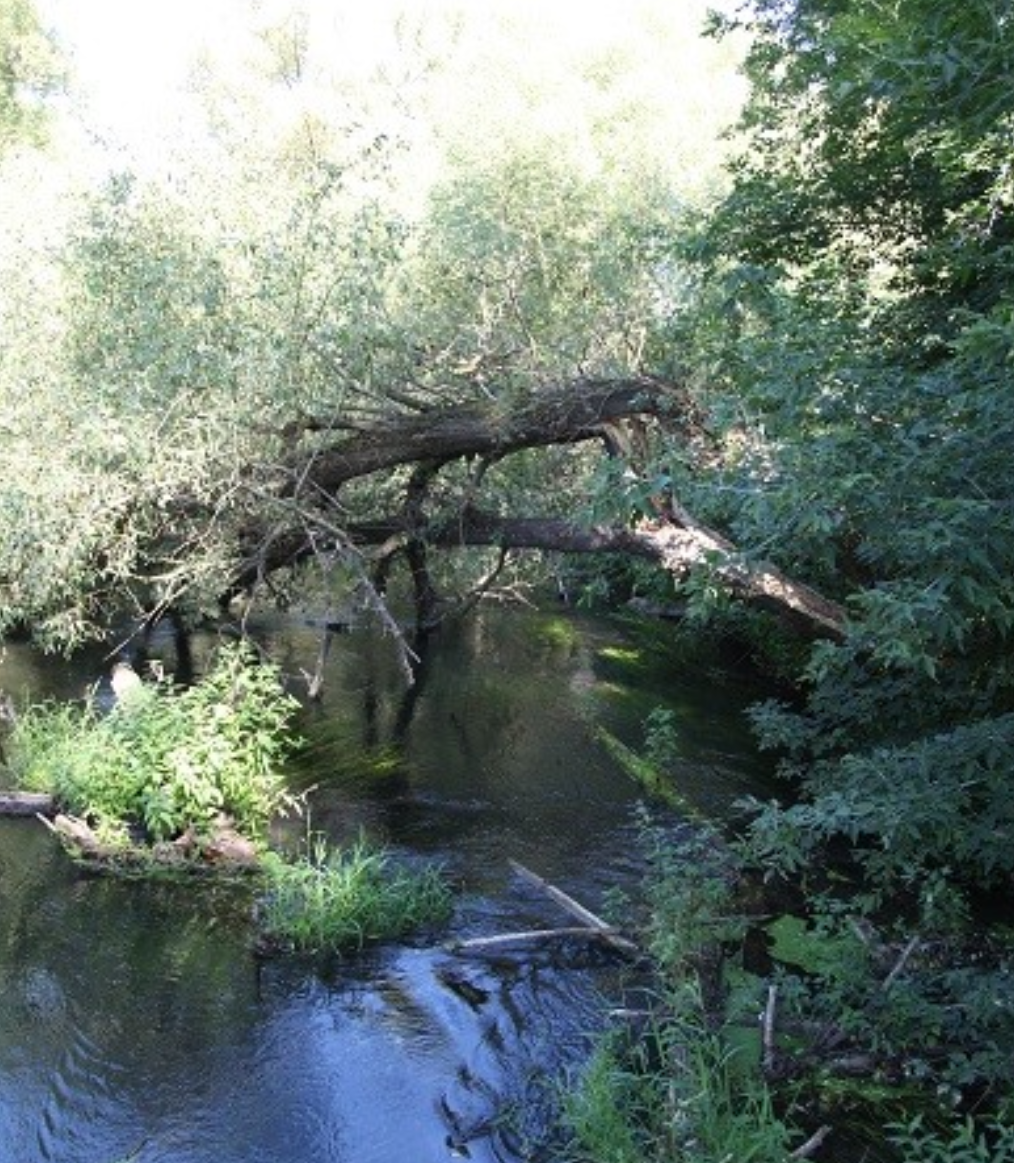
(472,226)
(30,70)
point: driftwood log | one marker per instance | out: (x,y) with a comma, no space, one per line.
(595,923)
(592,927)
(26,803)
(526,936)
(224,848)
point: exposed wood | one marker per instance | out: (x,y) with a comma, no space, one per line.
(486,431)
(527,935)
(78,836)
(559,414)
(809,1148)
(26,803)
(900,964)
(584,915)
(676,547)
(768,1031)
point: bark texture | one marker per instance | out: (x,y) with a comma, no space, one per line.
(562,414)
(677,545)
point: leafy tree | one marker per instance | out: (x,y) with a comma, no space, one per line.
(855,313)
(324,264)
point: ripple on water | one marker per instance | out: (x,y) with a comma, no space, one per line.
(82,1109)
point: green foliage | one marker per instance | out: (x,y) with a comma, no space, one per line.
(29,71)
(854,326)
(603,1108)
(339,899)
(678,1095)
(176,350)
(165,761)
(965,1143)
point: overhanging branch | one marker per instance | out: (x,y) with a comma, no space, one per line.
(565,414)
(677,544)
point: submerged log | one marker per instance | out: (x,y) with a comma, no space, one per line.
(79,837)
(26,803)
(224,849)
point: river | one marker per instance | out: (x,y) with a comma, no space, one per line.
(136,1021)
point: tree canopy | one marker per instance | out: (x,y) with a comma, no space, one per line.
(341,250)
(854,316)
(859,279)
(30,69)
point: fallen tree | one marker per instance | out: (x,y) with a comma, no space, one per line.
(323,458)
(678,544)
(560,414)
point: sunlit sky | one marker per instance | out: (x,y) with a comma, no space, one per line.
(131,60)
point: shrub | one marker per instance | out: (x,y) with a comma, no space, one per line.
(678,1095)
(167,761)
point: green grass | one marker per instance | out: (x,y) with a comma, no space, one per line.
(676,1096)
(340,899)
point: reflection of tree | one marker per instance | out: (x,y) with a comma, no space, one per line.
(137,967)
(422,647)
(405,706)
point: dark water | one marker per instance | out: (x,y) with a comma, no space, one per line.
(135,1021)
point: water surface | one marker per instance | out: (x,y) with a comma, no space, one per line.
(136,1021)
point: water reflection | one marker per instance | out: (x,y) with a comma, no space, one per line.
(135,1020)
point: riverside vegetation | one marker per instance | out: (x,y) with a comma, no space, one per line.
(171,781)
(558,310)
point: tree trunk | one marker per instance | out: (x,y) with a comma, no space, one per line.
(677,544)
(565,414)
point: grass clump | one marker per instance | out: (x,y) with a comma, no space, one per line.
(341,898)
(676,1095)
(165,762)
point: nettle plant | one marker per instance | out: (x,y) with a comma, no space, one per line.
(167,761)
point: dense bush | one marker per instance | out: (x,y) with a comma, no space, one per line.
(166,760)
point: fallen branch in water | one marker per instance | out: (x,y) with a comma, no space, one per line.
(26,803)
(606,931)
(477,943)
(78,837)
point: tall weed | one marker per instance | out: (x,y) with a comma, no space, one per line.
(167,761)
(334,899)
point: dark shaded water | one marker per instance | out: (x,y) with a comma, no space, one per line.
(135,1021)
